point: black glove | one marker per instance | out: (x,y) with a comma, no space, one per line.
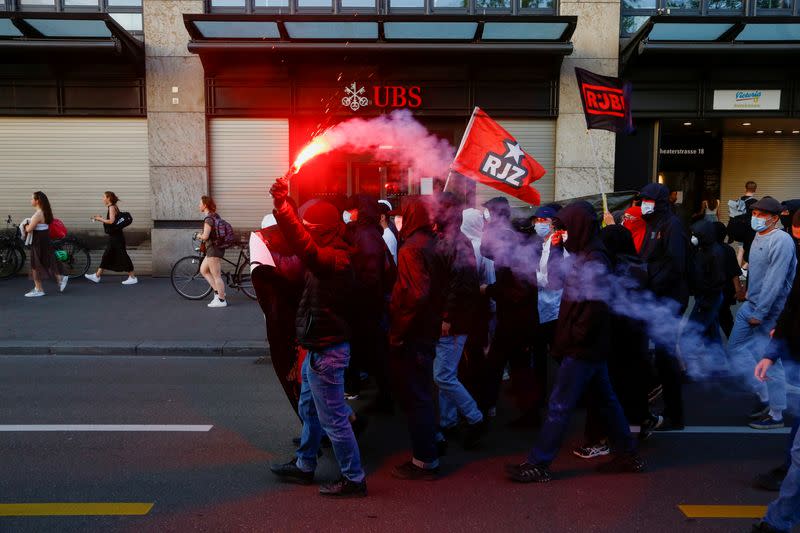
(279,192)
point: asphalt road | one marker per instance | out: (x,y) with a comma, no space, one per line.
(218,480)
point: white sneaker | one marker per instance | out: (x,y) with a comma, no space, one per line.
(213,301)
(218,303)
(131,281)
(34,294)
(63,284)
(92,277)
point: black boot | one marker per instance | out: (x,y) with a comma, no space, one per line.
(291,472)
(344,488)
(771,480)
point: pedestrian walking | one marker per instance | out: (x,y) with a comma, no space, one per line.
(772,271)
(211,267)
(733,291)
(583,341)
(315,234)
(115,256)
(44,264)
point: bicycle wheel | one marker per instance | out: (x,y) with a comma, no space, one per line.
(77,260)
(187,280)
(19,250)
(244,282)
(8,262)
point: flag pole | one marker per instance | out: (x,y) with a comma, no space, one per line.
(597,173)
(461,145)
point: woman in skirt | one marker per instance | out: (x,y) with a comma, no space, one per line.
(44,264)
(115,256)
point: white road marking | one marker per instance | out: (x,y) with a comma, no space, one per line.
(105,427)
(733,430)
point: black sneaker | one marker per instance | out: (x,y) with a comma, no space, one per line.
(651,423)
(763,527)
(529,473)
(473,433)
(759,411)
(771,480)
(291,473)
(625,463)
(344,488)
(410,471)
(590,451)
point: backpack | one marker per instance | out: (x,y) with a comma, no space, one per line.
(57,229)
(223,233)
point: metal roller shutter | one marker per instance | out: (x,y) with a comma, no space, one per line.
(537,137)
(247,155)
(774,164)
(73,160)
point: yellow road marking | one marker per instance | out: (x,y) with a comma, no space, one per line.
(74,509)
(723,511)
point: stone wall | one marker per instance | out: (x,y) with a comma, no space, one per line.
(176,127)
(578,158)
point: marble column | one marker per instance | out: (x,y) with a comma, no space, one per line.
(580,159)
(176,128)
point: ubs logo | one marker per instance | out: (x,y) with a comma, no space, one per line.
(384,96)
(506,167)
(603,100)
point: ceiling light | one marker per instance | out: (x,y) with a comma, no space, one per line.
(760,131)
(778,131)
(708,131)
(795,131)
(745,123)
(687,123)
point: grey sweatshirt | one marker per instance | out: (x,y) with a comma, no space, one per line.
(772,270)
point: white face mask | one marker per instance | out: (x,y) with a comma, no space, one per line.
(758,224)
(487,215)
(542,229)
(648,207)
(695,241)
(398,222)
(346,217)
(564,237)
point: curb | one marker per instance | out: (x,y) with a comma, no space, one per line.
(136,348)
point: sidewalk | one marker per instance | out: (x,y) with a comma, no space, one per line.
(149,318)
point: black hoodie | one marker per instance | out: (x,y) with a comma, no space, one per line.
(708,262)
(368,254)
(665,248)
(584,321)
(417,300)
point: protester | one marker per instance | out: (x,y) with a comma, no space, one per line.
(772,271)
(461,300)
(315,236)
(416,311)
(115,256)
(211,267)
(278,290)
(632,221)
(389,229)
(374,276)
(785,340)
(665,249)
(549,281)
(733,291)
(739,229)
(628,364)
(44,264)
(583,341)
(515,293)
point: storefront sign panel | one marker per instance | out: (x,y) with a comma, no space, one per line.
(358,96)
(747,100)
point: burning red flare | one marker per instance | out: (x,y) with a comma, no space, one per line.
(317,146)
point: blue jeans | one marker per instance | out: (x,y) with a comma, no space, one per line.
(453,397)
(323,409)
(784,513)
(412,369)
(748,344)
(574,378)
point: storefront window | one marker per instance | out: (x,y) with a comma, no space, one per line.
(774,4)
(406,4)
(683,4)
(638,4)
(227,3)
(537,4)
(358,4)
(317,5)
(450,4)
(493,4)
(129,21)
(631,25)
(725,5)
(36,3)
(124,3)
(80,3)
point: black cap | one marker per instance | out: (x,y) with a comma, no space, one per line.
(769,205)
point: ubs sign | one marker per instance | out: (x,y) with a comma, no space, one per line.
(382,96)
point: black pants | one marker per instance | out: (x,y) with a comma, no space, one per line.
(726,319)
(510,346)
(369,353)
(542,343)
(412,369)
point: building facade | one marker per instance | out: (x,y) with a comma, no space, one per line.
(163,101)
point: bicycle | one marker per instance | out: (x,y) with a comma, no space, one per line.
(70,251)
(189,282)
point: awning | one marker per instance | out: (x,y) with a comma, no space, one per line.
(52,37)
(355,34)
(687,37)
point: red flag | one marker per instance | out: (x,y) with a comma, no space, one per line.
(490,155)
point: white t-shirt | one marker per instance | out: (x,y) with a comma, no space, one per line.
(391,242)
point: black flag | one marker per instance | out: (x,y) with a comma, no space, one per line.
(606,102)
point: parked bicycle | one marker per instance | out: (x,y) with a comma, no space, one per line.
(189,282)
(70,251)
